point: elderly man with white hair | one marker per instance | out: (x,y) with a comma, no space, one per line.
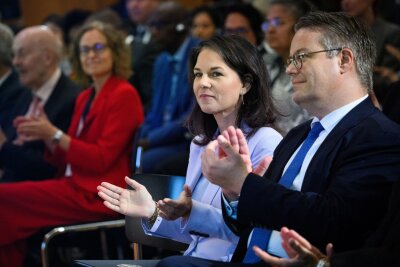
(37,53)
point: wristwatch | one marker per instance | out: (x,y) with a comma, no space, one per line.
(57,137)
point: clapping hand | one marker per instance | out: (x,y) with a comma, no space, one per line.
(226,162)
(34,128)
(173,209)
(135,202)
(301,252)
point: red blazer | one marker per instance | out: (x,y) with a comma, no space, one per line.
(102,150)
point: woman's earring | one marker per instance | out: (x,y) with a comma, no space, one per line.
(242,98)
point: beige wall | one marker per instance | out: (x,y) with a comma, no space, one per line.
(34,11)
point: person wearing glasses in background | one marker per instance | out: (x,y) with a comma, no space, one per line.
(330,177)
(278,33)
(205,22)
(243,20)
(97,146)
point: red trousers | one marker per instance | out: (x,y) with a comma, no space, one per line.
(27,207)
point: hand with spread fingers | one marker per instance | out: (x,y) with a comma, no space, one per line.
(226,162)
(301,252)
(135,202)
(173,209)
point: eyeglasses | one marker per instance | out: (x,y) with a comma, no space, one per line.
(272,22)
(237,31)
(97,49)
(297,59)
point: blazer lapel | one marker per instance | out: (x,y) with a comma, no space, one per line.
(312,179)
(283,152)
(98,103)
(212,191)
(196,173)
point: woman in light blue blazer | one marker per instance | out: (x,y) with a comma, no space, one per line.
(232,87)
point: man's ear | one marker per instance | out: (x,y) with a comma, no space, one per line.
(346,60)
(48,57)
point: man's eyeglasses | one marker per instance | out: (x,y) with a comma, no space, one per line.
(297,59)
(272,22)
(97,49)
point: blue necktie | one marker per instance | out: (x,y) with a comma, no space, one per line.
(261,236)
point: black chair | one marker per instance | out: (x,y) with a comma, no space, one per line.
(159,186)
(100,227)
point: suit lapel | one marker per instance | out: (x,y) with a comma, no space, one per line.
(196,173)
(99,102)
(283,153)
(52,103)
(212,191)
(331,143)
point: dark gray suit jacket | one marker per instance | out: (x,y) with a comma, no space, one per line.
(27,162)
(10,91)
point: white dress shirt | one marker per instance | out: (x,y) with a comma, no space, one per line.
(328,122)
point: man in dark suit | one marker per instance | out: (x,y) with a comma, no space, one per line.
(340,176)
(162,133)
(37,53)
(144,50)
(10,87)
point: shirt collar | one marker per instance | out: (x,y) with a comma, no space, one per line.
(47,88)
(333,118)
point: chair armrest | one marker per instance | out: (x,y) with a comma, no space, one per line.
(75,228)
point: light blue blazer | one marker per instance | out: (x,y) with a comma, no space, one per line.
(205,230)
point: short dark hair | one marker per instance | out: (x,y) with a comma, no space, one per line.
(258,109)
(210,11)
(340,30)
(115,40)
(297,8)
(254,17)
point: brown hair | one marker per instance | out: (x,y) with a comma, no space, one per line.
(121,52)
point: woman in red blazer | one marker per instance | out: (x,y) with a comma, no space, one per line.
(96,147)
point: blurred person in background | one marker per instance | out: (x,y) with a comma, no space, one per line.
(139,12)
(55,23)
(278,34)
(143,50)
(205,22)
(163,133)
(37,55)
(97,146)
(243,20)
(10,87)
(384,33)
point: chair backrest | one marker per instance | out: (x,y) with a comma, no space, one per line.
(159,186)
(136,157)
